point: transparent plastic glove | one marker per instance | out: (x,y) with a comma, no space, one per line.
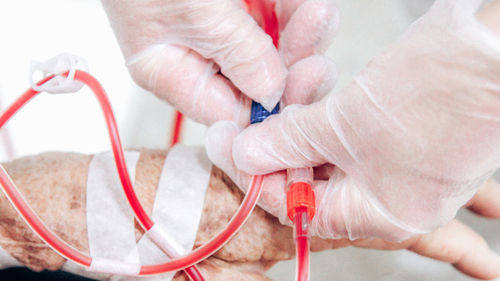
(311,77)
(207,58)
(405,145)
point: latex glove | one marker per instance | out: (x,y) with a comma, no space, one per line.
(311,77)
(206,58)
(402,147)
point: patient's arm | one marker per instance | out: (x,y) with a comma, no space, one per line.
(55,185)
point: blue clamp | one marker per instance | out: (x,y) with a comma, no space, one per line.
(259,113)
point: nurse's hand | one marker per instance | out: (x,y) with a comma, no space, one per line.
(209,58)
(399,150)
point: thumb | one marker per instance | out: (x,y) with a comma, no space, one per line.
(300,136)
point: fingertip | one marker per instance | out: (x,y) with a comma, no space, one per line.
(222,131)
(486,202)
(267,83)
(462,247)
(270,101)
(285,9)
(332,16)
(254,66)
(254,149)
(330,77)
(484,265)
(310,30)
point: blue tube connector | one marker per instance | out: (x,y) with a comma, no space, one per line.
(259,113)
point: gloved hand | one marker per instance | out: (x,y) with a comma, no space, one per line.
(401,148)
(311,76)
(208,58)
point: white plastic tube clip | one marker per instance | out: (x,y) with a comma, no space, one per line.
(54,66)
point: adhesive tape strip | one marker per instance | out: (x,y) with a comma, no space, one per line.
(181,193)
(56,65)
(177,207)
(114,267)
(110,220)
(161,237)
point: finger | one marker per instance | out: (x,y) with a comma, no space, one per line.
(462,247)
(285,9)
(300,136)
(218,145)
(190,83)
(226,33)
(309,80)
(486,202)
(310,30)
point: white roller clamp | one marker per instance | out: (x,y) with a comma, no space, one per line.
(54,66)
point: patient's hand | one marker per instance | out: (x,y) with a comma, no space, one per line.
(59,179)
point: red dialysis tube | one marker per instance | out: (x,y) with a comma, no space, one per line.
(269,23)
(302,237)
(300,196)
(70,253)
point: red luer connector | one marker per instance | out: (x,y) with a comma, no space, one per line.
(300,194)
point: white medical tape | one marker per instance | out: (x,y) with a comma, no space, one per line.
(77,269)
(110,220)
(181,193)
(165,241)
(57,65)
(177,208)
(6,260)
(104,265)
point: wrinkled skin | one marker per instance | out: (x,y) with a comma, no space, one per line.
(59,179)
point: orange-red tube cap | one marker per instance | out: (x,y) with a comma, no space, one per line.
(300,194)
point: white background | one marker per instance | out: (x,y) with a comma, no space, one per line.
(31,29)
